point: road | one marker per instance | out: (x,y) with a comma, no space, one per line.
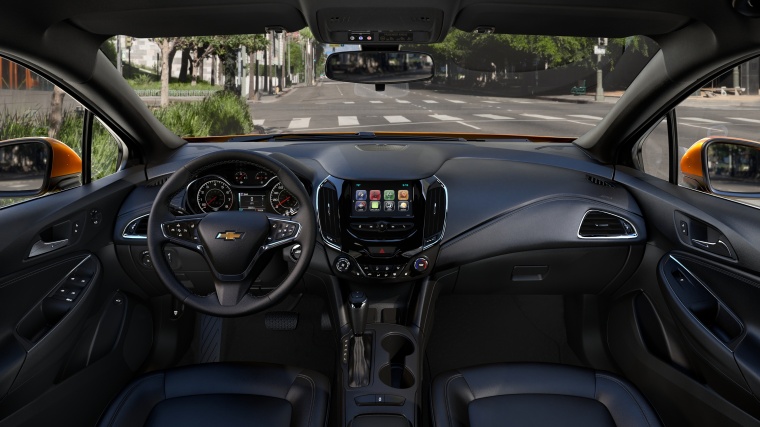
(333,106)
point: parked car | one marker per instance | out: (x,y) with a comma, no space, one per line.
(464,242)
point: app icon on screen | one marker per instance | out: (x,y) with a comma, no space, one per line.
(390,206)
(389,195)
(374,206)
(374,194)
(403,194)
(361,194)
(361,206)
(403,206)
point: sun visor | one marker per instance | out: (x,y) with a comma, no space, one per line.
(567,21)
(193,20)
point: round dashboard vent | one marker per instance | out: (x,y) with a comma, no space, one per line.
(382,147)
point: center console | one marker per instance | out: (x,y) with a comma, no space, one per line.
(381,237)
(382,231)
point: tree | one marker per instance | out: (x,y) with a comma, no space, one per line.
(56,112)
(168,46)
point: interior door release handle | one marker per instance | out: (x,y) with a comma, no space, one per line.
(41,247)
(716,247)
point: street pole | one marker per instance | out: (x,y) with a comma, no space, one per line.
(118,55)
(282,60)
(601,50)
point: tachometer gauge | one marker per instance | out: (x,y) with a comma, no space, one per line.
(214,195)
(282,201)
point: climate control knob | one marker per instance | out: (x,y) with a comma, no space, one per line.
(342,264)
(420,264)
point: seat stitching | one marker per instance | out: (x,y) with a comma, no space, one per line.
(446,397)
(625,387)
(313,395)
(127,394)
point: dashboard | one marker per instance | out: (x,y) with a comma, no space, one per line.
(240,187)
(394,212)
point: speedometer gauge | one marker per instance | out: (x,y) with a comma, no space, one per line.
(214,195)
(282,201)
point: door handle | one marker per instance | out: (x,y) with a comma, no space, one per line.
(718,247)
(42,247)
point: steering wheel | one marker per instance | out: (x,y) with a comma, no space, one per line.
(237,245)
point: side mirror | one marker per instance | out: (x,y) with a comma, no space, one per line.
(723,166)
(34,166)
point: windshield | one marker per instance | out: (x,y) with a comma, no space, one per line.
(275,84)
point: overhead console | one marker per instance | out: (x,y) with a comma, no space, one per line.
(382,230)
(382,26)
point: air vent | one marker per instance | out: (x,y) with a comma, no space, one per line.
(382,147)
(157,182)
(329,218)
(604,225)
(599,181)
(435,215)
(137,228)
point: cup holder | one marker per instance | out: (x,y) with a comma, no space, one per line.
(395,373)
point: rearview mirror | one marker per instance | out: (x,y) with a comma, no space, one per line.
(724,166)
(34,166)
(379,67)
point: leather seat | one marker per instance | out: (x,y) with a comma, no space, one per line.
(222,394)
(537,395)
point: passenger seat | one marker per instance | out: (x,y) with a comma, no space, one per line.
(537,395)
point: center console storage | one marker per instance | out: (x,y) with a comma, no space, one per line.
(393,389)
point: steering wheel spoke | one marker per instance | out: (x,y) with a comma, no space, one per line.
(230,293)
(183,232)
(282,230)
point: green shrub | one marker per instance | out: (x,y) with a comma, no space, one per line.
(223,113)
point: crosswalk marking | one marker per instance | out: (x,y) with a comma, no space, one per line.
(491,102)
(348,102)
(701,120)
(396,119)
(348,121)
(493,116)
(429,101)
(456,101)
(445,117)
(299,123)
(743,119)
(539,116)
(258,122)
(376,102)
(402,101)
(583,116)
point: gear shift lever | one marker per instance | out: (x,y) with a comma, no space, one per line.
(357,306)
(361,343)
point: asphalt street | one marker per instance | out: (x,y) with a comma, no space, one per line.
(348,107)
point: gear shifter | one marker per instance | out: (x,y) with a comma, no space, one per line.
(357,306)
(361,343)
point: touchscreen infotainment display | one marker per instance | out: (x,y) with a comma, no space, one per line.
(382,199)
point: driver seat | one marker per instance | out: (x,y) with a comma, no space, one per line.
(222,394)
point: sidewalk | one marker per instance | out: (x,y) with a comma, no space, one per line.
(744,101)
(264,98)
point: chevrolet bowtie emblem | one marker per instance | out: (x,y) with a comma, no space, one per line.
(229,235)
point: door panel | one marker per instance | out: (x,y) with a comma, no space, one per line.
(692,307)
(73,327)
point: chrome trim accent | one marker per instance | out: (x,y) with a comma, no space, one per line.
(624,236)
(129,225)
(319,222)
(445,214)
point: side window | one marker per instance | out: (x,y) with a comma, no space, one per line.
(727,106)
(31,106)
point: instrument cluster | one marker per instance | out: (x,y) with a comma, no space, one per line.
(240,187)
